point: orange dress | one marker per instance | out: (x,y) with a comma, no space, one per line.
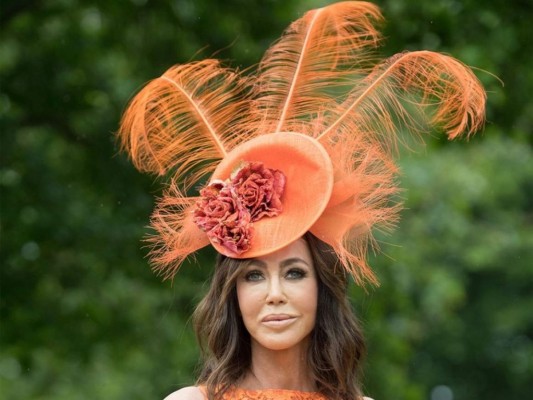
(271,394)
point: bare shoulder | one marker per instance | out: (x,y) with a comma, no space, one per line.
(367,398)
(187,393)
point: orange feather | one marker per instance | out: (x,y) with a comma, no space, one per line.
(313,58)
(413,92)
(185,120)
(176,234)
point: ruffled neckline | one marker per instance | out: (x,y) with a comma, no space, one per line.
(241,393)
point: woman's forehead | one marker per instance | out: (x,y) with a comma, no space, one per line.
(298,249)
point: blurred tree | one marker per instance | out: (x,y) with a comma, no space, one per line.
(454,307)
(82,315)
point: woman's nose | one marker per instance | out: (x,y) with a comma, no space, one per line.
(276,293)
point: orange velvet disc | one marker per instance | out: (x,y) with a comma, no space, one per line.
(309,182)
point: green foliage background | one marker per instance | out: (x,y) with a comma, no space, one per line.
(83,317)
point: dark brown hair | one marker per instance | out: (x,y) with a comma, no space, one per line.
(336,346)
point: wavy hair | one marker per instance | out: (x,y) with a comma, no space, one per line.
(336,346)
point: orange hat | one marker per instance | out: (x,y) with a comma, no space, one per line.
(306,143)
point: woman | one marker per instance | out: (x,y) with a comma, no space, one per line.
(295,328)
(300,163)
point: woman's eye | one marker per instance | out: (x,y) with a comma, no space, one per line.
(295,273)
(253,276)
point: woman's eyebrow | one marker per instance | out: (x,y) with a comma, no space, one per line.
(285,263)
(256,263)
(294,260)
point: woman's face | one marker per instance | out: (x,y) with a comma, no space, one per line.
(277,297)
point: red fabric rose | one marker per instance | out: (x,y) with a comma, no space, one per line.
(215,204)
(226,210)
(222,216)
(234,233)
(260,189)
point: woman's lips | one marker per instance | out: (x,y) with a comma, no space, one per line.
(278,320)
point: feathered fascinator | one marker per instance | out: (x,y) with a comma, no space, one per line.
(306,143)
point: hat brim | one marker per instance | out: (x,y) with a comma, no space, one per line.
(309,182)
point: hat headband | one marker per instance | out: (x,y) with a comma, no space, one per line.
(321,114)
(308,175)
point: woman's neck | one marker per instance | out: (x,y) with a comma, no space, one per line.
(282,369)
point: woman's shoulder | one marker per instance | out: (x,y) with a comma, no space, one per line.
(196,393)
(187,393)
